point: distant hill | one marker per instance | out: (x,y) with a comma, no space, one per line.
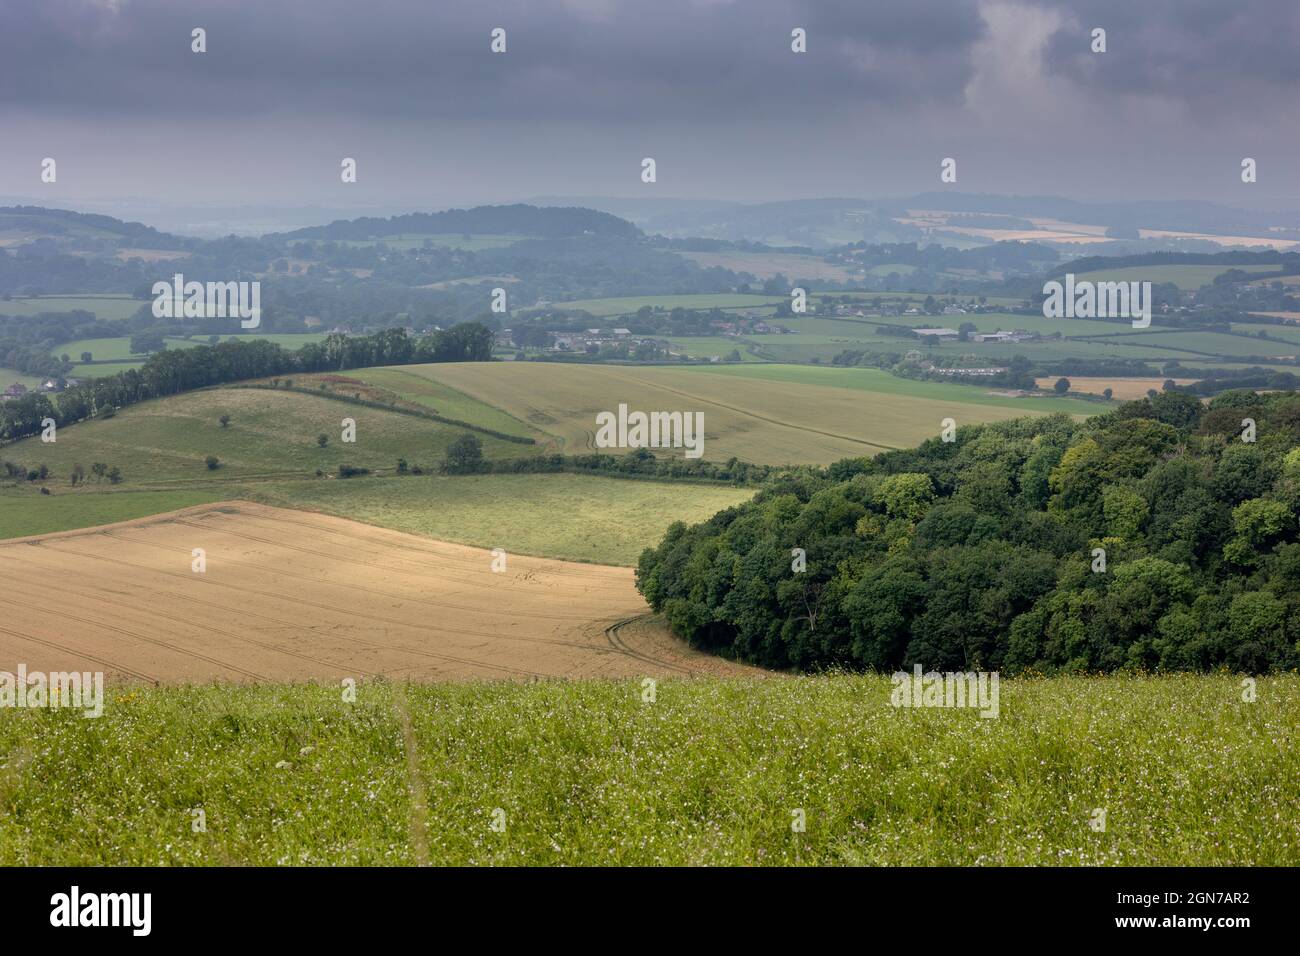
(831,222)
(28,224)
(557,222)
(1181,215)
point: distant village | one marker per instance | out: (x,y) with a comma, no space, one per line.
(19,390)
(593,341)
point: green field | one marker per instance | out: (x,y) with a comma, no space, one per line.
(105,306)
(1213,343)
(1186,277)
(270,434)
(24,511)
(882,382)
(101,350)
(707,346)
(1289,333)
(119,349)
(101,369)
(629,304)
(413,387)
(269,453)
(9,377)
(573,517)
(794,421)
(712,772)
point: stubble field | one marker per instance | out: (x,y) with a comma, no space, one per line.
(292,596)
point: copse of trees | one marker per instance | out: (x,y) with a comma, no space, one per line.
(177,370)
(1150,537)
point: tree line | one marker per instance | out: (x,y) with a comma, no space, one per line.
(179,370)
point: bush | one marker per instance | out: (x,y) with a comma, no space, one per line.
(464,455)
(213,462)
(351,471)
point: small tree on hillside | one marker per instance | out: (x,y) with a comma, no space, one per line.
(225,421)
(464,455)
(1062,386)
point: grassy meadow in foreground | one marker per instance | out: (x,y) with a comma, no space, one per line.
(712,772)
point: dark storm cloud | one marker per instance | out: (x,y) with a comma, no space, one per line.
(589,87)
(1207,53)
(594,60)
(607,59)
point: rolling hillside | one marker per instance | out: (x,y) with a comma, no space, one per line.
(786,416)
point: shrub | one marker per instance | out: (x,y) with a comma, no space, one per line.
(464,455)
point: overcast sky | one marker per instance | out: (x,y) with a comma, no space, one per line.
(709,88)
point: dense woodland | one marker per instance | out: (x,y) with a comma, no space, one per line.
(980,553)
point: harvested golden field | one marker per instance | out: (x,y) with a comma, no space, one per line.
(293,596)
(754,419)
(1124,389)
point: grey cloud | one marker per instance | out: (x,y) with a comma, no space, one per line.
(1207,54)
(667,59)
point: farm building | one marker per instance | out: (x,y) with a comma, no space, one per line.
(940,334)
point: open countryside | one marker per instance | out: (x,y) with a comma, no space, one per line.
(833,413)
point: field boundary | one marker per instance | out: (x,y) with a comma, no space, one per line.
(378,406)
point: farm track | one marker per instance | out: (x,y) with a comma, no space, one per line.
(288,596)
(617,642)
